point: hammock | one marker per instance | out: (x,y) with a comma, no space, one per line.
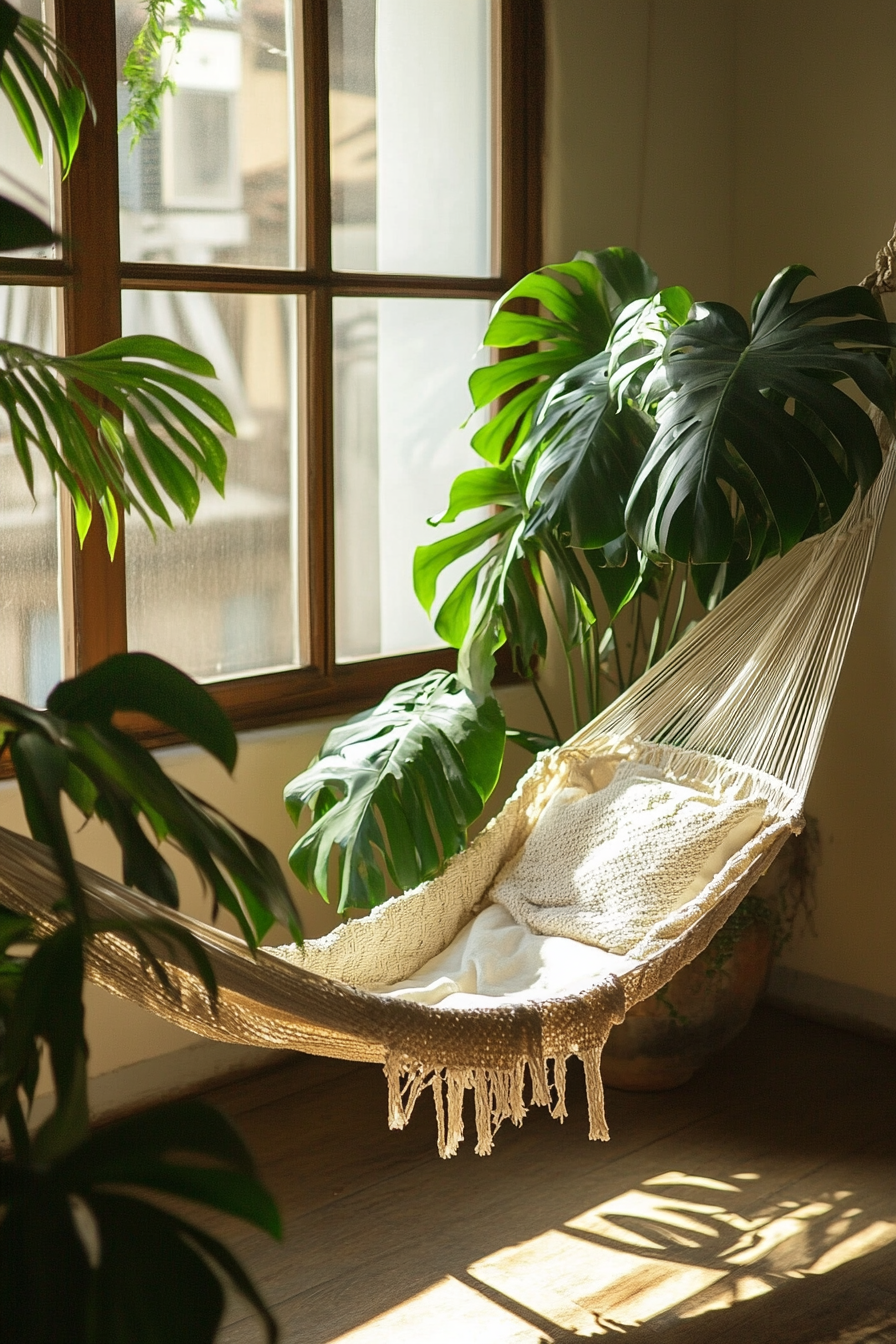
(737,707)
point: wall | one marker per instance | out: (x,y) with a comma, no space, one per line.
(726,140)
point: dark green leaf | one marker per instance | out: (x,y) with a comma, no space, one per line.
(726,439)
(147,685)
(626,274)
(22,228)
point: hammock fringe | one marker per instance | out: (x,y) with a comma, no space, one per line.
(498,1095)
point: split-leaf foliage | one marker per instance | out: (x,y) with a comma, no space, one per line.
(394,790)
(645,454)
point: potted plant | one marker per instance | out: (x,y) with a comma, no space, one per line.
(646,454)
(84,1255)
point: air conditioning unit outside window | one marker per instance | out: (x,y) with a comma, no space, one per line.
(199,128)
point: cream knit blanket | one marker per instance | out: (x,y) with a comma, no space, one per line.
(605,867)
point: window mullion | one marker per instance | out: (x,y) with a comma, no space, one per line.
(320,566)
(94,612)
(521,135)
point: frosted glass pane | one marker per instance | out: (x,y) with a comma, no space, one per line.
(30,643)
(400,394)
(24,179)
(215,182)
(410,136)
(220,596)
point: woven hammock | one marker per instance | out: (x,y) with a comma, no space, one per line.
(738,705)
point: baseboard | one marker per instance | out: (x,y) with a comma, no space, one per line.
(860,1010)
(164,1077)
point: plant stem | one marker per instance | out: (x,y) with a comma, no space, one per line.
(636,633)
(673,633)
(660,619)
(570,670)
(595,671)
(573,690)
(587,653)
(536,682)
(620,679)
(18,1131)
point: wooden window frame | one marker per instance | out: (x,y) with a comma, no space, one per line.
(91,277)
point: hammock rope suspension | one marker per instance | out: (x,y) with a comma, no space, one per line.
(740,704)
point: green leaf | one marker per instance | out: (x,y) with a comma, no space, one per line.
(579,330)
(9,21)
(728,446)
(51,79)
(492,381)
(626,274)
(429,561)
(500,436)
(420,765)
(638,339)
(584,454)
(22,228)
(484,487)
(18,101)
(618,583)
(167,412)
(146,684)
(48,1006)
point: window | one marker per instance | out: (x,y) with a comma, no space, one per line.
(332,200)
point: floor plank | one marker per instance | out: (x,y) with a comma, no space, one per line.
(757,1203)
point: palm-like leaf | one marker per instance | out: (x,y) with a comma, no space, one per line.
(33,68)
(53,407)
(756,426)
(83,1257)
(74,748)
(429,753)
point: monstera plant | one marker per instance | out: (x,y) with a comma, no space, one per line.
(645,453)
(85,1257)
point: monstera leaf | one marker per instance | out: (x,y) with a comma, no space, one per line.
(428,754)
(494,601)
(755,424)
(588,440)
(585,453)
(83,1256)
(583,297)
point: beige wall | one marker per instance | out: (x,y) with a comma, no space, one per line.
(726,140)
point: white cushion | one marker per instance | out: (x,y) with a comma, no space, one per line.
(603,868)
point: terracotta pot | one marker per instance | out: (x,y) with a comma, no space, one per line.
(658,1046)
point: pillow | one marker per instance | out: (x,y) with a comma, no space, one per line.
(605,867)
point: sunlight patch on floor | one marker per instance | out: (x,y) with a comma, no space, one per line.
(446,1313)
(677,1246)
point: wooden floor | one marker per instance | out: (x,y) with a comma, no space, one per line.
(757,1204)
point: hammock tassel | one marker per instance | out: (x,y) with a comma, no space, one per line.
(560,1112)
(594,1091)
